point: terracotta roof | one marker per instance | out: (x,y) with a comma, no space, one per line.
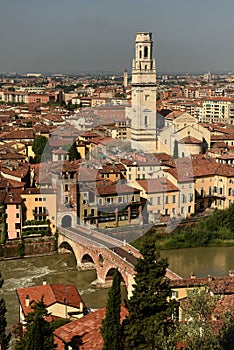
(157,185)
(36,190)
(84,333)
(53,293)
(13,196)
(218,285)
(190,140)
(106,188)
(19,134)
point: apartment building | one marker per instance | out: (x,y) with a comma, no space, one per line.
(218,109)
(214,183)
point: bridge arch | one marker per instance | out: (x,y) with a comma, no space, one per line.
(87,258)
(124,282)
(66,246)
(66,221)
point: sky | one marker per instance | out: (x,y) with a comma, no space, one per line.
(72,36)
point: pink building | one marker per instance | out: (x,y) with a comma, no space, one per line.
(13,213)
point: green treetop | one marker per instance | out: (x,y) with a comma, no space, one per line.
(149,325)
(39,332)
(111,327)
(4,338)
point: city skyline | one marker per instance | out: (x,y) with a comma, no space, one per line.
(97,36)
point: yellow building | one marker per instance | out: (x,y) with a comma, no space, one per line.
(40,206)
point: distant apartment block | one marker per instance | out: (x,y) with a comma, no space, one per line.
(219,109)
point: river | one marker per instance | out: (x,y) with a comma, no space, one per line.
(26,272)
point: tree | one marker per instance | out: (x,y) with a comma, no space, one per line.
(38,146)
(226,333)
(149,325)
(4,338)
(196,331)
(39,332)
(176,150)
(73,153)
(111,327)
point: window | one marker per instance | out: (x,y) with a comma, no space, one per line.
(85,213)
(109,200)
(120,199)
(173,199)
(159,200)
(66,188)
(44,199)
(17,206)
(166,200)
(100,201)
(17,215)
(145,52)
(133,198)
(190,197)
(146,120)
(36,199)
(129,177)
(151,200)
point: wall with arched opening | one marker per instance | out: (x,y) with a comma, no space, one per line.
(66,221)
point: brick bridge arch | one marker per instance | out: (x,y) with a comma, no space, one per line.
(110,261)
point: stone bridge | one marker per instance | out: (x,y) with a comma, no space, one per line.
(94,249)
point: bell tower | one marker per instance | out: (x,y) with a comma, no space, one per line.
(143,128)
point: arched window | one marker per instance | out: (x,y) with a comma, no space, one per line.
(145,51)
(140,54)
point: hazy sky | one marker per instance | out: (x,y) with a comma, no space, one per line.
(99,35)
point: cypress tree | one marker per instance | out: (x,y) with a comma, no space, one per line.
(149,325)
(111,327)
(39,332)
(73,153)
(4,338)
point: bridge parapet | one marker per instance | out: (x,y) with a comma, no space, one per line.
(98,248)
(110,240)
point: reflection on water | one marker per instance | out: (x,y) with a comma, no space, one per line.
(201,261)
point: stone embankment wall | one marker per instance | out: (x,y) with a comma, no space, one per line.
(30,247)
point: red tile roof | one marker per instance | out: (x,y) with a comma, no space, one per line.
(84,333)
(53,293)
(157,185)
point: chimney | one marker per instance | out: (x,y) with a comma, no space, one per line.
(210,278)
(44,283)
(27,299)
(81,306)
(193,275)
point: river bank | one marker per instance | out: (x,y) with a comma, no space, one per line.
(28,247)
